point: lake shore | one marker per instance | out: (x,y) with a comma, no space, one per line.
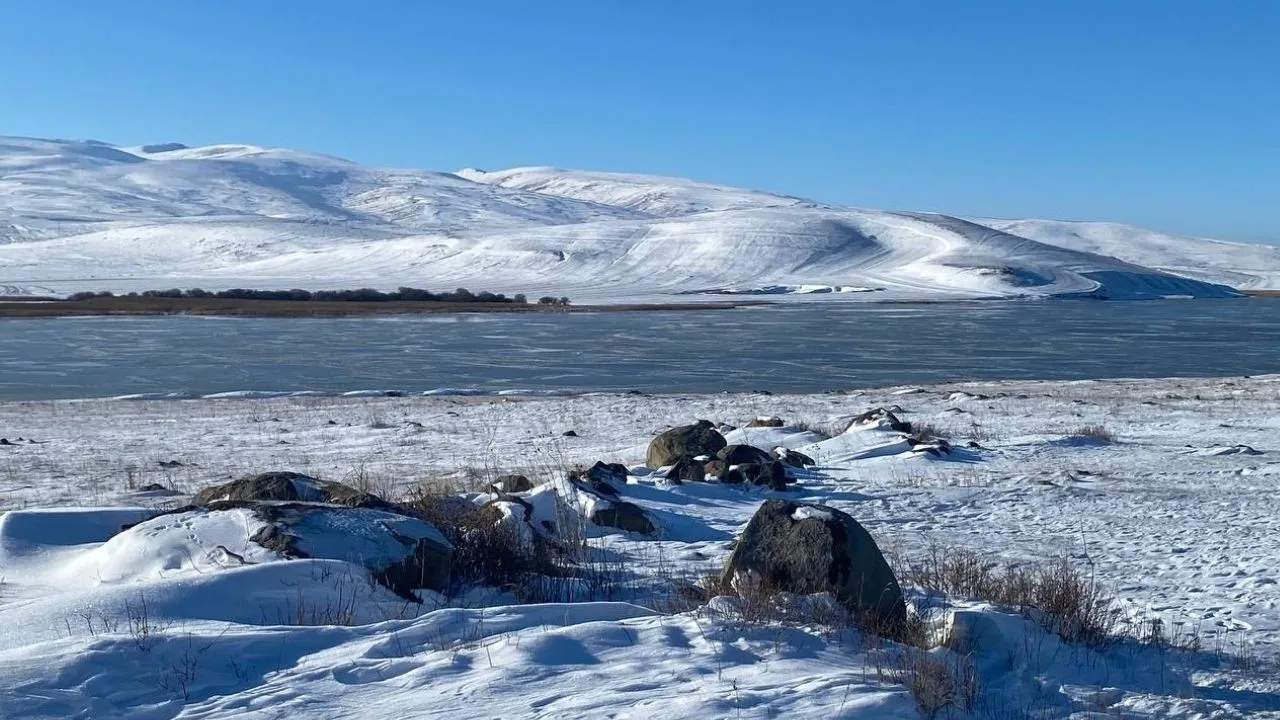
(134,306)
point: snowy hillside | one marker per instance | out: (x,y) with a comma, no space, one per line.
(77,215)
(1241,265)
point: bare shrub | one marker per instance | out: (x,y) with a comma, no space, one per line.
(485,552)
(823,429)
(937,680)
(1058,595)
(926,432)
(1094,432)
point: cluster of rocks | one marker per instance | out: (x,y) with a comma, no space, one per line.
(787,546)
(694,452)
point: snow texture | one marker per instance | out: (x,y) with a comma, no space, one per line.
(1178,529)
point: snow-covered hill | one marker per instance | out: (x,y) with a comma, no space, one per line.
(78,215)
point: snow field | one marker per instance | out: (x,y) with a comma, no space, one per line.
(1174,513)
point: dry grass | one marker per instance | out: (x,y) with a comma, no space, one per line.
(1094,432)
(1064,599)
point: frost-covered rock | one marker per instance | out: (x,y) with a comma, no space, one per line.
(701,438)
(805,549)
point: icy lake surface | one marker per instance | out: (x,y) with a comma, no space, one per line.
(790,348)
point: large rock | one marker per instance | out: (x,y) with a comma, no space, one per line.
(701,438)
(803,548)
(740,454)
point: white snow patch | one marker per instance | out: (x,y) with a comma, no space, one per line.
(809,512)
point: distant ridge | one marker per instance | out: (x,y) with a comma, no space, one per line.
(84,215)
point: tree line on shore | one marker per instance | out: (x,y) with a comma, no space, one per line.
(404,294)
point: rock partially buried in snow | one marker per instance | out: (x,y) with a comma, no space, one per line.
(794,458)
(701,438)
(290,487)
(805,549)
(878,417)
(766,421)
(511,484)
(402,553)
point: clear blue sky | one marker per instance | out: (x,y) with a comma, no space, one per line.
(1161,113)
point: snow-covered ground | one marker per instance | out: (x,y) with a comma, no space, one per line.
(1165,489)
(81,215)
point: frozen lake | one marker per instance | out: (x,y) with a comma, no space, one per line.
(792,348)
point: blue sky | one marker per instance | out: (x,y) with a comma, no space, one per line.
(1160,113)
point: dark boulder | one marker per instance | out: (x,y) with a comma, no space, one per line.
(701,438)
(766,422)
(687,469)
(771,474)
(739,454)
(624,516)
(511,484)
(608,472)
(804,549)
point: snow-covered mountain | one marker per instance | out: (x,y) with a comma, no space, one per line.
(78,215)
